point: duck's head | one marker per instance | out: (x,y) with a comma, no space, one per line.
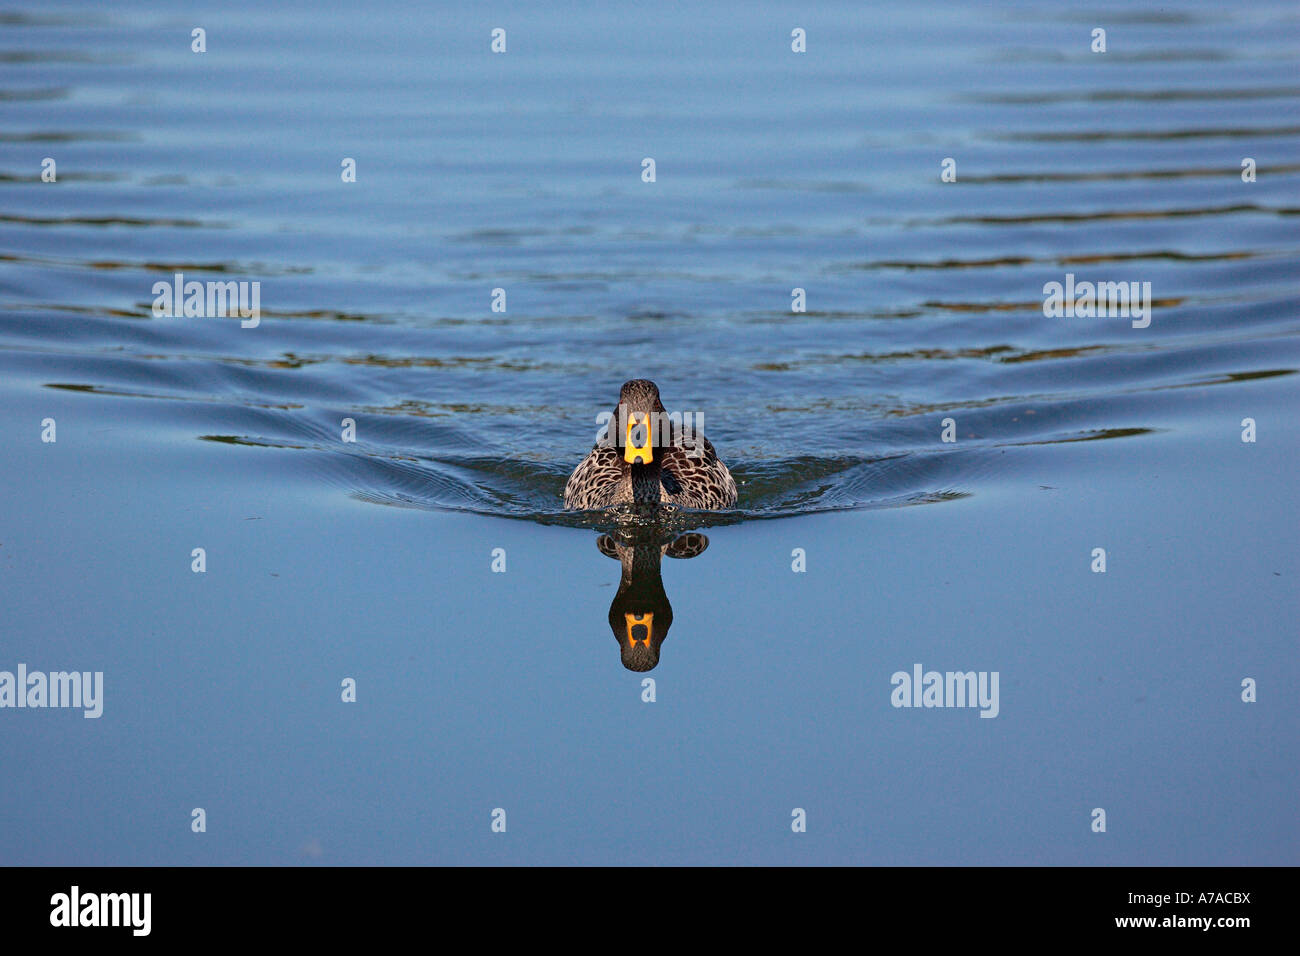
(637,422)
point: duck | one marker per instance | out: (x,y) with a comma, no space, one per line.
(638,462)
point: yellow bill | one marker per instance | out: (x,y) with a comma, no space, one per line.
(639,627)
(636,443)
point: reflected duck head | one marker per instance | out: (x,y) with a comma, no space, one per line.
(640,630)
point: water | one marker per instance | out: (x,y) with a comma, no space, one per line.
(774,171)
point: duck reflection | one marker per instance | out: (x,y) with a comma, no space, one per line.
(640,614)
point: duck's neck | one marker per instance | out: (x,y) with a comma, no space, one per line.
(640,565)
(646,484)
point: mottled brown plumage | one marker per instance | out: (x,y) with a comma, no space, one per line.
(684,470)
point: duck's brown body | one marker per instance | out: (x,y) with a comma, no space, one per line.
(682,471)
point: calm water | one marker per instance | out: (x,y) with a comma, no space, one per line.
(774,171)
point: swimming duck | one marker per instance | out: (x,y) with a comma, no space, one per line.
(643,463)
